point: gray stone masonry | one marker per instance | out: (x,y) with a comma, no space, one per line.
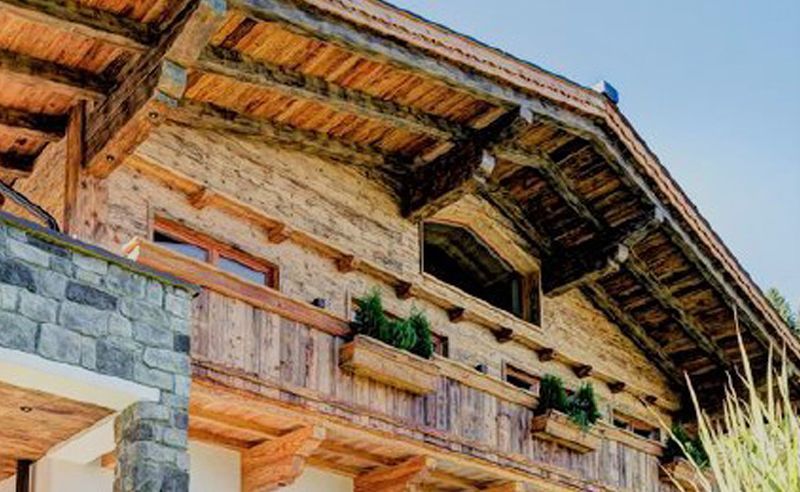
(73,303)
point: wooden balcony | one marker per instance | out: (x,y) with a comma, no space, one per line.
(265,363)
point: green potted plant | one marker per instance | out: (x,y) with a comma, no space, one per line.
(394,351)
(682,450)
(566,420)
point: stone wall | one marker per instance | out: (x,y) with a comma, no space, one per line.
(76,304)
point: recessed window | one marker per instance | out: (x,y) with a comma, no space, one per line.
(203,248)
(520,378)
(458,257)
(441,345)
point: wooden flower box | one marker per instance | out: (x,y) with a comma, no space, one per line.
(370,358)
(680,470)
(557,427)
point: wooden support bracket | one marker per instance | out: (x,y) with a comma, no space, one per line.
(456,314)
(277,463)
(403,290)
(201,198)
(279,233)
(546,354)
(347,263)
(616,387)
(405,477)
(503,334)
(582,371)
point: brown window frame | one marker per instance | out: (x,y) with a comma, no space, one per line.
(217,249)
(441,344)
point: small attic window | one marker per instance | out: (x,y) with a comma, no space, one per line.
(458,257)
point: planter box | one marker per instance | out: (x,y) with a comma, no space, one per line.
(556,427)
(370,358)
(682,471)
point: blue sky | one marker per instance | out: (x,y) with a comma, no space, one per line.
(712,86)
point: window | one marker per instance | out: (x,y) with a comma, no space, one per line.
(440,344)
(636,426)
(455,255)
(201,247)
(520,379)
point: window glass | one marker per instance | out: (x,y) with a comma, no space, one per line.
(179,246)
(242,270)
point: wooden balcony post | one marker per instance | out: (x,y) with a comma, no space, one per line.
(405,477)
(277,463)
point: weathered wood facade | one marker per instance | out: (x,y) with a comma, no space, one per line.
(316,137)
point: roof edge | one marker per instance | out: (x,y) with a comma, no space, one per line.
(443,42)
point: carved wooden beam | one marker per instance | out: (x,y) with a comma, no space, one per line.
(405,477)
(39,126)
(230,63)
(461,170)
(277,463)
(138,104)
(203,115)
(580,265)
(60,79)
(666,299)
(636,333)
(71,16)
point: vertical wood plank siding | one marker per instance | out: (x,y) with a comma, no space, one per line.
(293,356)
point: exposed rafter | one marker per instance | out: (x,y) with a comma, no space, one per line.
(578,266)
(463,169)
(635,332)
(689,324)
(56,78)
(72,16)
(203,115)
(554,176)
(39,126)
(126,117)
(230,63)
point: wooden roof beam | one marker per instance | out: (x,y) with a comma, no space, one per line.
(204,115)
(124,119)
(636,333)
(230,63)
(577,266)
(278,462)
(463,169)
(407,476)
(39,126)
(71,16)
(60,79)
(688,323)
(553,175)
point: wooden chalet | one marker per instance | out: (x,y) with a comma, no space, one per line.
(289,156)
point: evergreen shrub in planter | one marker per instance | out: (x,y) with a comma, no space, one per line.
(566,420)
(392,351)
